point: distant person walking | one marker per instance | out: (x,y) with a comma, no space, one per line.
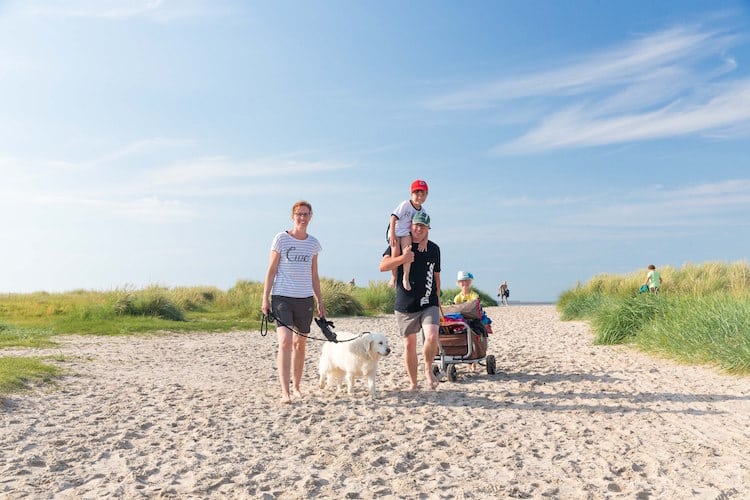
(291,282)
(503,292)
(653,279)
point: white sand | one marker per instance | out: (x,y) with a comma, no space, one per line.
(194,416)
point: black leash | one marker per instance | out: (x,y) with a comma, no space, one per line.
(264,325)
(324,325)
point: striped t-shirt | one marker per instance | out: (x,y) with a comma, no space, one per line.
(294,275)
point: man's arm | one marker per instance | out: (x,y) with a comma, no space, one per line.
(389,263)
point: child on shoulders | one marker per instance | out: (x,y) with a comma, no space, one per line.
(399,229)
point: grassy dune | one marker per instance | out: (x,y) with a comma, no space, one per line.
(701,315)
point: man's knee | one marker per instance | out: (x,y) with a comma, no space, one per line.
(410,340)
(431,333)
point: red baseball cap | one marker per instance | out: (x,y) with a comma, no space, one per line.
(419,185)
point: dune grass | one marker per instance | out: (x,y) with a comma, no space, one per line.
(701,315)
(377,297)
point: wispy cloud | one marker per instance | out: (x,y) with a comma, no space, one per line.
(156,10)
(151,208)
(705,205)
(155,209)
(161,193)
(217,175)
(526,202)
(138,147)
(580,127)
(633,62)
(672,83)
(651,212)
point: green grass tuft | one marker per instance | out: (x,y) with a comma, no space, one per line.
(14,336)
(376,298)
(617,321)
(17,373)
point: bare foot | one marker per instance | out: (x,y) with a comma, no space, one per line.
(407,285)
(434,382)
(286,399)
(413,388)
(297,393)
(392,283)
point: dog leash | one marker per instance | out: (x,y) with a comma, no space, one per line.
(324,325)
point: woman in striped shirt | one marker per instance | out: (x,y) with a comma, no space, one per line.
(291,289)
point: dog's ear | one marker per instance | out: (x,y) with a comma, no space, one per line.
(369,344)
(362,345)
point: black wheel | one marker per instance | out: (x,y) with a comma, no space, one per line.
(490,361)
(452,375)
(436,371)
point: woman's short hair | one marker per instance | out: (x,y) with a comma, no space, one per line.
(302,203)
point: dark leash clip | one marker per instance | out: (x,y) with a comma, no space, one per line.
(264,320)
(325,326)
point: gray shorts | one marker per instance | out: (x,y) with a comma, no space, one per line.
(411,323)
(293,312)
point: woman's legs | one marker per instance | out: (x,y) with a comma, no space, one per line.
(298,360)
(284,361)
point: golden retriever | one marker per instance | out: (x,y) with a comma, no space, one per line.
(352,357)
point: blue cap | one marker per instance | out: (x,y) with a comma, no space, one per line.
(463,275)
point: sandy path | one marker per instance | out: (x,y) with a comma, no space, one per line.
(196,416)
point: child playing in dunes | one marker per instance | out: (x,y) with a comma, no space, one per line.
(653,279)
(399,230)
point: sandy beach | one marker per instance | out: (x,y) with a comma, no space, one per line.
(198,416)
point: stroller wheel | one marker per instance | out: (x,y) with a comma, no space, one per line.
(490,364)
(452,375)
(436,371)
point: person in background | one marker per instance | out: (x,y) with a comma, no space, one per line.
(419,307)
(463,280)
(503,292)
(292,281)
(653,279)
(399,229)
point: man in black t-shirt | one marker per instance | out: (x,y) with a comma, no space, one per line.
(418,309)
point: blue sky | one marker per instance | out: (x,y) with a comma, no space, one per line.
(157,142)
